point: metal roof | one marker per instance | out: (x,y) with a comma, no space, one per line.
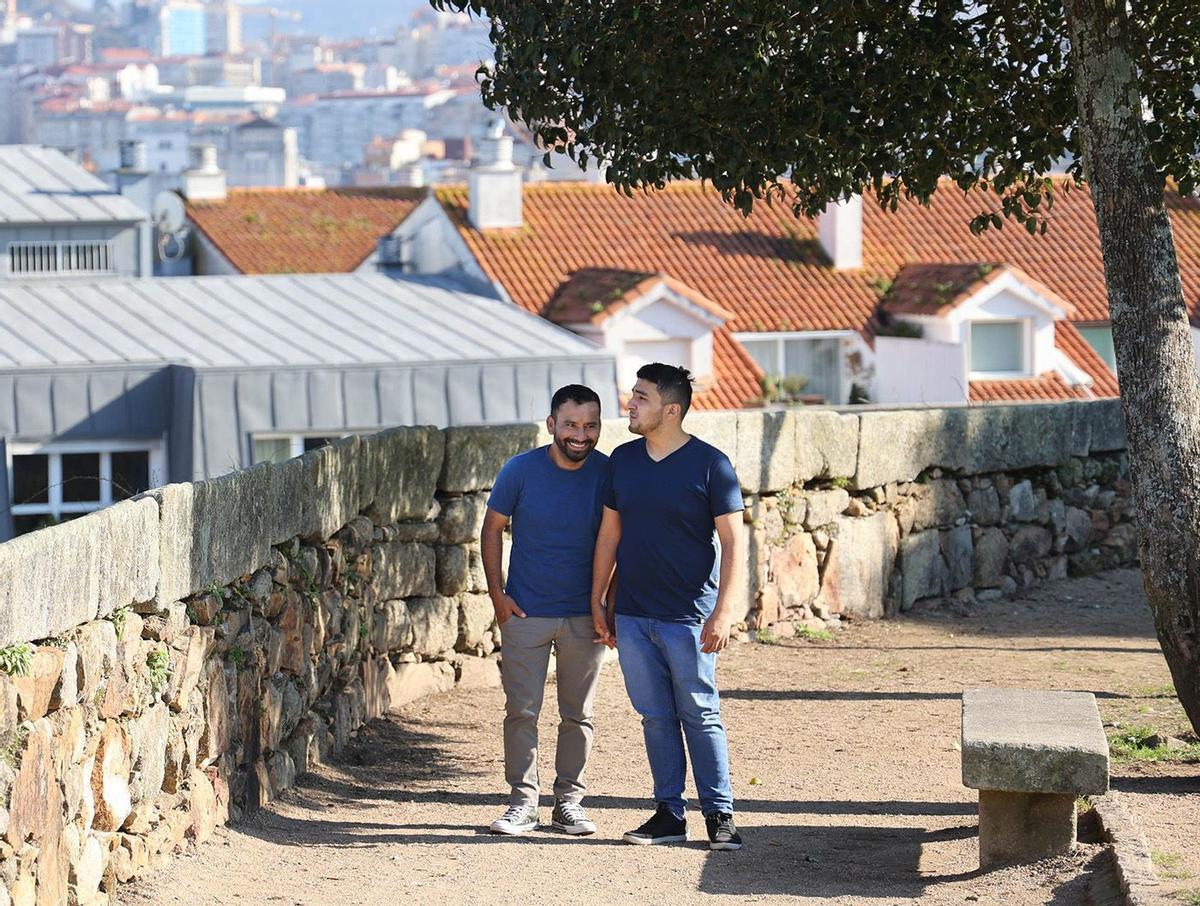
(268,321)
(40,185)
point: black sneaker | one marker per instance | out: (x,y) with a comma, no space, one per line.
(663,827)
(722,832)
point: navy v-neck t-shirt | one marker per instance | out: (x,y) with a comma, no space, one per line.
(667,564)
(555,515)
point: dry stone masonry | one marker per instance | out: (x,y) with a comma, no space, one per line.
(195,650)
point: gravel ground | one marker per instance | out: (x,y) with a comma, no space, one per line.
(846,773)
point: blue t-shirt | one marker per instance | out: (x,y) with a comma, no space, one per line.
(667,559)
(555,515)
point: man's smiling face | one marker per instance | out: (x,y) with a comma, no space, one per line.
(576,428)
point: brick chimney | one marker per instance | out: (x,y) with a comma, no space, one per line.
(839,230)
(494,183)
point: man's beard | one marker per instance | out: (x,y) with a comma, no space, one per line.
(571,453)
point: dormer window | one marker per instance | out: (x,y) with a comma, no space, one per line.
(999,348)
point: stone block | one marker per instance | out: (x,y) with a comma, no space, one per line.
(461,519)
(826,444)
(1019,828)
(402,569)
(475,618)
(202,807)
(332,487)
(110,778)
(1107,424)
(792,573)
(766,450)
(713,427)
(102,561)
(1022,505)
(824,506)
(1033,741)
(148,751)
(413,681)
(478,673)
(958,550)
(991,558)
(404,464)
(938,503)
(1029,543)
(924,570)
(286,500)
(453,565)
(393,628)
(435,625)
(35,800)
(1078,530)
(475,454)
(858,565)
(35,690)
(984,505)
(899,445)
(213,532)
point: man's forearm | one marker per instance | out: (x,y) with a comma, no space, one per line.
(732,580)
(603,562)
(491,552)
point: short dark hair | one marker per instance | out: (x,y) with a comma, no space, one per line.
(576,393)
(674,384)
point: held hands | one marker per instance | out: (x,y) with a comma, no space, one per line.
(714,634)
(505,608)
(606,633)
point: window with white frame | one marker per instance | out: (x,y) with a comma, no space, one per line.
(282,447)
(816,359)
(51,483)
(999,347)
(1100,339)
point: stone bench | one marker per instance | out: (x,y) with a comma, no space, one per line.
(1030,753)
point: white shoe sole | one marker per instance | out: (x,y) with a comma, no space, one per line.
(512,830)
(575,830)
(654,841)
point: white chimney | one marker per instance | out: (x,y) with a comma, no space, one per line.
(494,183)
(204,180)
(839,230)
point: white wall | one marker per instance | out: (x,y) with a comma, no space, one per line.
(920,371)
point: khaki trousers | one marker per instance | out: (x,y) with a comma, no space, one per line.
(525,649)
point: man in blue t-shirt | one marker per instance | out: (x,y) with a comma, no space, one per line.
(553,498)
(667,494)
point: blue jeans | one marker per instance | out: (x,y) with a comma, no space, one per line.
(673,686)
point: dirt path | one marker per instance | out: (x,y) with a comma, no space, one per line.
(845,763)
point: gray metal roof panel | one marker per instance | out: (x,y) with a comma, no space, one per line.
(42,185)
(268,321)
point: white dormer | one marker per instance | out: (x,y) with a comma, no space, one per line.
(641,318)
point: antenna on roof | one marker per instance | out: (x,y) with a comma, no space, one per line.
(170,219)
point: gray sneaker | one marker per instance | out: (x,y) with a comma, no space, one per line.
(519,819)
(570,818)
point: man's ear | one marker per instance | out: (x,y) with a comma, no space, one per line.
(550,424)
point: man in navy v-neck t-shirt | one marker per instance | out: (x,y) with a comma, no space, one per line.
(668,494)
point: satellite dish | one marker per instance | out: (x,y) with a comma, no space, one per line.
(168,213)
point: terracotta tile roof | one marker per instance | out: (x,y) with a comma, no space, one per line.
(1069,340)
(737,376)
(1051,385)
(299,231)
(593,294)
(769,269)
(937,289)
(1048,386)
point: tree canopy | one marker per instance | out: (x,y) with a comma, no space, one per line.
(817,100)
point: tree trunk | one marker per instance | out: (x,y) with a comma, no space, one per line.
(1156,362)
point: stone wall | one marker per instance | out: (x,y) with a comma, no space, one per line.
(197,648)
